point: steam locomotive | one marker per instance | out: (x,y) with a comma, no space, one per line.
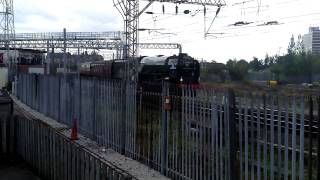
(177,69)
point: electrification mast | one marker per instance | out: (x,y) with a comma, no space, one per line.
(7,34)
(129,10)
(7,30)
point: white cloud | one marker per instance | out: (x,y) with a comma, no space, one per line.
(237,42)
(75,15)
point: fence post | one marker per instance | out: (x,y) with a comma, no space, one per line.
(232,135)
(12,124)
(3,135)
(94,123)
(80,102)
(164,130)
(310,137)
(123,118)
(318,137)
(59,99)
(36,107)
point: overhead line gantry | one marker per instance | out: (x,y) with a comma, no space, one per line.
(129,9)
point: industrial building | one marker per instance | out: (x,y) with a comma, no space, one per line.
(311,40)
(22,60)
(22,56)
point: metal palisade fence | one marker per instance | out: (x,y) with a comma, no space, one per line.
(279,136)
(187,133)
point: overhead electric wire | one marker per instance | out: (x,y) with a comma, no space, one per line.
(228,30)
(248,26)
(171,16)
(151,20)
(289,2)
(231,28)
(247,34)
(270,30)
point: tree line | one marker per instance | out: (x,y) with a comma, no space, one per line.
(296,62)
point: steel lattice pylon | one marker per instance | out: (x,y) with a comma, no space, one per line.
(129,10)
(7,30)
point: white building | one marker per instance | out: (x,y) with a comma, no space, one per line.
(311,41)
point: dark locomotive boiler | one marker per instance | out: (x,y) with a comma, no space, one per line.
(181,69)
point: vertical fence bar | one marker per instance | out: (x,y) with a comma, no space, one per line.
(232,136)
(222,107)
(310,171)
(258,139)
(246,141)
(183,133)
(191,135)
(272,139)
(94,108)
(164,132)
(213,130)
(279,142)
(252,137)
(200,138)
(265,138)
(318,139)
(301,160)
(294,131)
(59,99)
(123,120)
(80,103)
(286,139)
(226,138)
(240,136)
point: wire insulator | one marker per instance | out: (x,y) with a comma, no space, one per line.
(218,10)
(176,9)
(163,10)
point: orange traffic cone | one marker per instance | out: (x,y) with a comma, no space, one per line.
(74,131)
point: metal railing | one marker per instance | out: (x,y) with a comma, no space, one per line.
(201,134)
(69,35)
(52,155)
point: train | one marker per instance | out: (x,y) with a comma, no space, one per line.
(177,69)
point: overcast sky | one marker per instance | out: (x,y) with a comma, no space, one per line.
(225,41)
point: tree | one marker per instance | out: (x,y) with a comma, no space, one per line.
(277,69)
(268,61)
(215,69)
(256,64)
(296,63)
(292,45)
(238,70)
(299,47)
